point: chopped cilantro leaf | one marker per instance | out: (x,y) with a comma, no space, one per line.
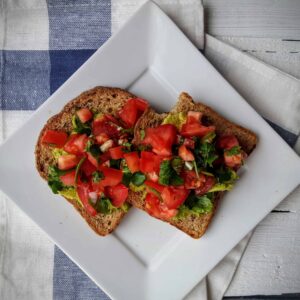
(126,178)
(93,149)
(167,175)
(104,205)
(127,130)
(208,138)
(226,175)
(177,164)
(208,154)
(54,181)
(126,147)
(138,178)
(80,127)
(142,134)
(233,151)
(115,163)
(97,176)
(201,204)
(165,172)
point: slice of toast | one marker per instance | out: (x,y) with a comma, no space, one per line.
(193,225)
(99,99)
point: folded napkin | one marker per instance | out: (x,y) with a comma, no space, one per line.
(41,45)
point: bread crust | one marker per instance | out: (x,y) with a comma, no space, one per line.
(100,99)
(193,225)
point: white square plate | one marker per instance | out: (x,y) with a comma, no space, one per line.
(146,258)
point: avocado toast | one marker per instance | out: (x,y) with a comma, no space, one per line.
(82,144)
(194,155)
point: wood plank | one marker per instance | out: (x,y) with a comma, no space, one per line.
(280,53)
(271,263)
(253,18)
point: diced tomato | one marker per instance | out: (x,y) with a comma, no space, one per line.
(208,184)
(195,129)
(80,142)
(158,209)
(88,168)
(116,152)
(185,153)
(132,110)
(97,187)
(190,143)
(112,176)
(57,138)
(104,157)
(68,161)
(132,161)
(118,194)
(140,103)
(129,113)
(83,190)
(152,205)
(233,161)
(104,125)
(84,114)
(102,138)
(112,119)
(153,185)
(191,181)
(227,142)
(76,143)
(161,139)
(174,197)
(194,117)
(93,160)
(68,179)
(149,162)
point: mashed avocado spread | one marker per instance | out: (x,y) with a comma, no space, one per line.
(177,119)
(141,188)
(70,193)
(56,152)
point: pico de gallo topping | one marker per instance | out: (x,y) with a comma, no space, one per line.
(96,162)
(179,165)
(185,164)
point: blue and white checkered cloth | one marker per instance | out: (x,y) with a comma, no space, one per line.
(41,45)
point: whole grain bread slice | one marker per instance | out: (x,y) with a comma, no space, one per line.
(98,99)
(193,225)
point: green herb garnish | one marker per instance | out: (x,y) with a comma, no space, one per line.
(104,205)
(138,178)
(142,134)
(54,181)
(167,175)
(208,154)
(200,204)
(233,151)
(226,175)
(177,164)
(208,138)
(126,173)
(126,147)
(97,176)
(127,130)
(93,149)
(78,168)
(80,127)
(115,163)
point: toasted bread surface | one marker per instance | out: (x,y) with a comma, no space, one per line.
(98,99)
(193,225)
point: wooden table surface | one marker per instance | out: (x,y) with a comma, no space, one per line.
(270,31)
